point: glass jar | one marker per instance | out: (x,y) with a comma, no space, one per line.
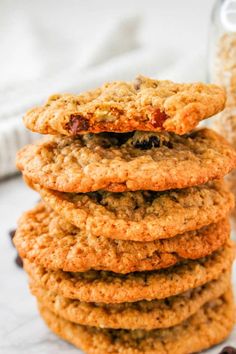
(222,44)
(222,71)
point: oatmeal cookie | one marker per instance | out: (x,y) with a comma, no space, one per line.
(209,326)
(127,162)
(145,104)
(46,239)
(108,287)
(145,315)
(141,215)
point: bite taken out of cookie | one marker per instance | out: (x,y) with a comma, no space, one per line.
(119,106)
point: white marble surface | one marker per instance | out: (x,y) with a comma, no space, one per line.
(21,329)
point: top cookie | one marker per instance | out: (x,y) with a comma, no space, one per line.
(144,104)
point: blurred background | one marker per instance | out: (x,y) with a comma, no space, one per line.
(50,46)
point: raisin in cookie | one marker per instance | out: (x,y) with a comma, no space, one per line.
(145,104)
(127,162)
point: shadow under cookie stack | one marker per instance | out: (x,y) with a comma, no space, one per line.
(129,250)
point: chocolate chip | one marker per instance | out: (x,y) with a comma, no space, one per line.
(11,233)
(77,124)
(151,142)
(228,350)
(18,261)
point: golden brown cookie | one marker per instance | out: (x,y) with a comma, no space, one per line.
(145,104)
(142,215)
(46,239)
(224,69)
(145,315)
(209,326)
(108,287)
(123,162)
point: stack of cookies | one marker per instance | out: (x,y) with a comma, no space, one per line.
(128,250)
